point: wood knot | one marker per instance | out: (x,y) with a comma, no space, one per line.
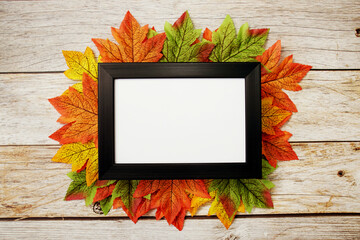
(97,208)
(357,32)
(341,173)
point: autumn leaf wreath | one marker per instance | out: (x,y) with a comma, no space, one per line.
(180,42)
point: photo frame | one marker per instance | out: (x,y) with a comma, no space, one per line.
(179,120)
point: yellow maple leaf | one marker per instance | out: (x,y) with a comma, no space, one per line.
(215,208)
(80,63)
(197,202)
(79,156)
(272,116)
(218,209)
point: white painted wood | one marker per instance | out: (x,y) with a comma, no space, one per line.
(328,105)
(33,33)
(320,227)
(318,33)
(33,186)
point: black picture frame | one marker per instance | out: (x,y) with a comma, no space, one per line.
(109,72)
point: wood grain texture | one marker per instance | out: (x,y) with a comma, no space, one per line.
(33,33)
(33,186)
(325,179)
(328,106)
(324,227)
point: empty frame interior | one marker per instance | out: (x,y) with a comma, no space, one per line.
(179,120)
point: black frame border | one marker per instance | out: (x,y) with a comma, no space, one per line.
(250,71)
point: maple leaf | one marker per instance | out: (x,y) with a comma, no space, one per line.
(106,205)
(215,208)
(276,147)
(151,33)
(57,136)
(182,44)
(252,192)
(207,35)
(62,119)
(80,63)
(277,77)
(171,196)
(125,190)
(133,44)
(197,202)
(179,219)
(142,206)
(232,47)
(272,116)
(270,58)
(218,209)
(286,75)
(79,156)
(104,192)
(82,110)
(103,196)
(78,188)
(120,194)
(280,99)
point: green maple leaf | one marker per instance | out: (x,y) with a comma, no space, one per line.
(242,47)
(78,188)
(182,44)
(106,204)
(252,192)
(148,197)
(125,189)
(151,33)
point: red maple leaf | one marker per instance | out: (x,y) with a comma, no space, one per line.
(140,207)
(276,147)
(170,197)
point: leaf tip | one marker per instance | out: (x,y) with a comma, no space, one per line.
(181,20)
(267,196)
(128,15)
(228,17)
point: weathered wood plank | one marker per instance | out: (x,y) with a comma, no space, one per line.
(321,227)
(33,33)
(33,186)
(328,107)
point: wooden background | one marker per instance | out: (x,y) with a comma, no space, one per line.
(316,197)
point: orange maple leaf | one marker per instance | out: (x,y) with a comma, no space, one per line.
(276,77)
(170,197)
(82,108)
(287,75)
(272,116)
(280,99)
(276,147)
(207,34)
(133,45)
(270,58)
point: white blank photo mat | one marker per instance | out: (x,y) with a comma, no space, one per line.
(179,120)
